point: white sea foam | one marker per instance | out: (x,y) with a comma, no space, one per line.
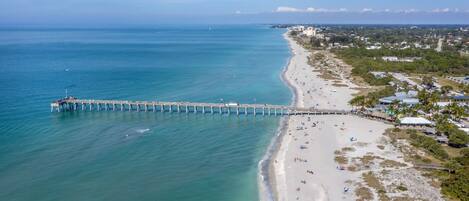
(143,130)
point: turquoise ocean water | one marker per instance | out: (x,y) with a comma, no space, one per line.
(130,155)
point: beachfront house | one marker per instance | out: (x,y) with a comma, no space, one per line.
(397,59)
(379,74)
(442,139)
(460,98)
(407,98)
(414,121)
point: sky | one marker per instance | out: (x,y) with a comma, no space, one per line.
(151,12)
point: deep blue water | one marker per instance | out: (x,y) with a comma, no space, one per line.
(108,155)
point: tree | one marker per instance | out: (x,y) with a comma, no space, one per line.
(428,100)
(427,81)
(442,124)
(456,111)
(405,85)
(446,89)
(358,101)
(458,138)
(423,97)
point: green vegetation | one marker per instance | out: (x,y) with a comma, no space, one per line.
(446,89)
(436,62)
(372,98)
(372,80)
(429,144)
(458,138)
(365,61)
(456,111)
(457,185)
(455,179)
(428,100)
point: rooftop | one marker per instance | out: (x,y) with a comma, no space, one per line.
(415,121)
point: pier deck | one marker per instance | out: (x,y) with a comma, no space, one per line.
(74,104)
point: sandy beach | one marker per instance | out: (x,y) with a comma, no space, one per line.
(321,157)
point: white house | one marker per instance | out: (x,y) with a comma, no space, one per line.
(379,74)
(414,121)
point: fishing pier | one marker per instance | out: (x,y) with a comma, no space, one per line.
(74,104)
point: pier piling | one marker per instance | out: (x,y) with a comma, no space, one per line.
(72,104)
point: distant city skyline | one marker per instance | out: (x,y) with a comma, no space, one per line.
(148,12)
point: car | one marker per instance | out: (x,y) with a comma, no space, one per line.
(231,104)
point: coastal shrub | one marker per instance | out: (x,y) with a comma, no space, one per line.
(429,144)
(463,159)
(372,98)
(452,165)
(363,193)
(401,188)
(457,184)
(458,138)
(372,80)
(464,152)
(364,61)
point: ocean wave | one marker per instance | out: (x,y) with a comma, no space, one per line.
(143,130)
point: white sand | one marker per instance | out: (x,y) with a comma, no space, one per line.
(303,166)
(292,180)
(311,90)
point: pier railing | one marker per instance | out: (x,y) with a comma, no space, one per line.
(74,104)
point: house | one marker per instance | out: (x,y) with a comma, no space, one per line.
(379,74)
(408,98)
(373,47)
(298,28)
(310,31)
(414,121)
(442,139)
(460,98)
(442,104)
(429,131)
(397,59)
(390,59)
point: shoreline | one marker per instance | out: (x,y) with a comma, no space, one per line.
(266,176)
(326,157)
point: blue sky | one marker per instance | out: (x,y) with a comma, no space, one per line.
(141,12)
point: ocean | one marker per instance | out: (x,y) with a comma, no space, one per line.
(136,155)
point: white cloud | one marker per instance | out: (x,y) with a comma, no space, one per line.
(441,10)
(325,10)
(286,9)
(411,10)
(317,10)
(238,12)
(367,10)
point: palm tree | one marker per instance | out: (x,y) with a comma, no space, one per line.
(358,101)
(446,89)
(427,81)
(456,111)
